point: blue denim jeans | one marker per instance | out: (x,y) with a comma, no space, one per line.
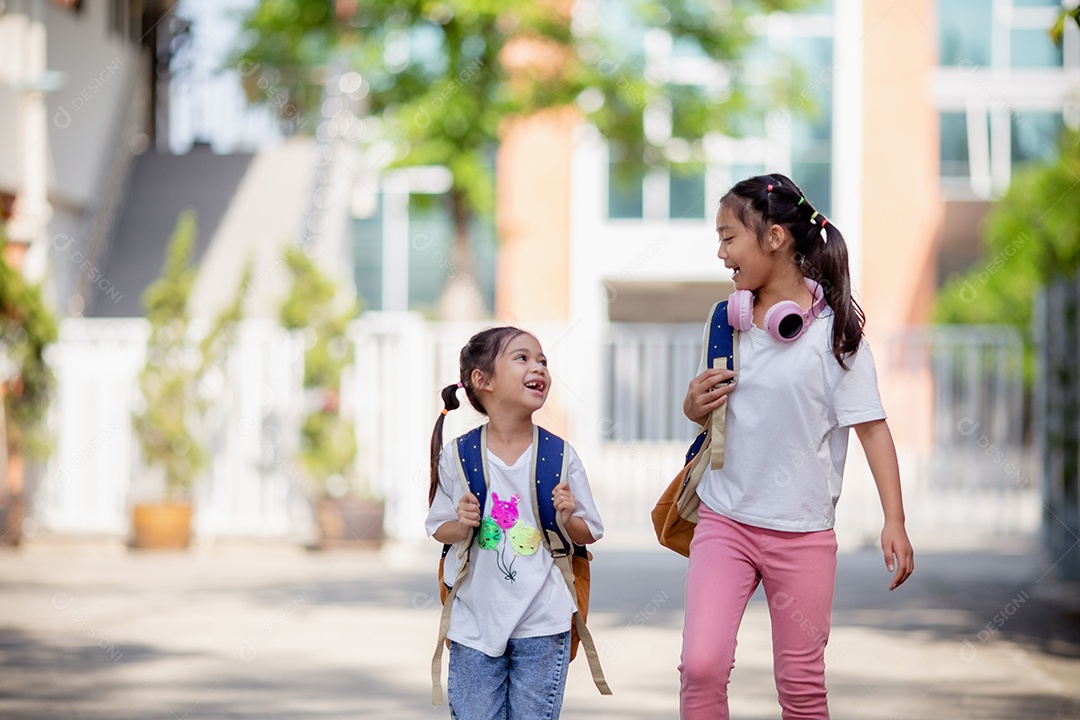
(524,683)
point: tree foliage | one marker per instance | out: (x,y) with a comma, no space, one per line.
(441,78)
(1032,236)
(27,328)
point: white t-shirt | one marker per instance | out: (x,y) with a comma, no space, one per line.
(786,435)
(512,589)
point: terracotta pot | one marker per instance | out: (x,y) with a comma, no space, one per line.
(161,526)
(350,524)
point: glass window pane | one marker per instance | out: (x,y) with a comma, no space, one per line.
(367,246)
(1035,136)
(811,109)
(624,188)
(431,233)
(954,145)
(687,194)
(964,28)
(815,179)
(1034,48)
(1037,3)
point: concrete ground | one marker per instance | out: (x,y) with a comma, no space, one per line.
(93,630)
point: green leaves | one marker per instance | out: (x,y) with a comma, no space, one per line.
(168,425)
(328,442)
(1032,237)
(27,328)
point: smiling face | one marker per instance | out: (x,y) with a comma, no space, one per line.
(521,379)
(750,260)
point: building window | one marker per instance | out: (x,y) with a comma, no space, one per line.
(686,193)
(965,30)
(367,253)
(1032,48)
(1035,136)
(637,190)
(954,145)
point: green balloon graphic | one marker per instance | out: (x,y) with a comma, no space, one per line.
(490,534)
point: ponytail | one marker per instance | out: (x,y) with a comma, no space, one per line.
(450,402)
(830,269)
(820,250)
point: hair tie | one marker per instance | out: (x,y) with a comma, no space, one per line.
(812,218)
(770,189)
(461,385)
(824,221)
(801,201)
(443,411)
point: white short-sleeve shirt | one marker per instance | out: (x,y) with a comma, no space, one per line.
(787,428)
(512,589)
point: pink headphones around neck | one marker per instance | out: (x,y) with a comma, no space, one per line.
(785,320)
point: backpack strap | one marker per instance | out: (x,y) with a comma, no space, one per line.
(550,461)
(471,456)
(721,347)
(721,341)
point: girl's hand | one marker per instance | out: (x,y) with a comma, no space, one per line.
(707,391)
(899,555)
(468,513)
(564,501)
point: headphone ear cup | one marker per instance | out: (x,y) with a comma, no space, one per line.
(785,321)
(740,310)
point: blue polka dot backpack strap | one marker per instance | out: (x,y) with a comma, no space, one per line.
(675,514)
(550,461)
(470,457)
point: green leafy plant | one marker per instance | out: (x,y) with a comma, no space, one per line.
(1031,237)
(312,308)
(27,328)
(175,403)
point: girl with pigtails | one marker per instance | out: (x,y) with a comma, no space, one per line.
(804,376)
(509,616)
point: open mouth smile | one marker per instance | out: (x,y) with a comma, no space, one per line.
(537,386)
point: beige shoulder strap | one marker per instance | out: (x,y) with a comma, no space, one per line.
(718,420)
(464,553)
(562,555)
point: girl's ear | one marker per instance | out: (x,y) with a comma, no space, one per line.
(775,237)
(478,380)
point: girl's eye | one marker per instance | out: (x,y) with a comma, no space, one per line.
(544,362)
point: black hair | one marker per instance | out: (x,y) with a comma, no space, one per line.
(480,354)
(766,200)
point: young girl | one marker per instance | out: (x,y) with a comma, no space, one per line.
(510,619)
(767,514)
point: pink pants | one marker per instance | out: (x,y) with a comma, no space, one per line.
(798,571)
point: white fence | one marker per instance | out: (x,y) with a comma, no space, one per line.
(616,396)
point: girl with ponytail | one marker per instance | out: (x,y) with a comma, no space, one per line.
(805,376)
(509,625)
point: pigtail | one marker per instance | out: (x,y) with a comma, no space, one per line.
(450,402)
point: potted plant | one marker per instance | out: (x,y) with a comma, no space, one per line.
(27,384)
(348,514)
(174,401)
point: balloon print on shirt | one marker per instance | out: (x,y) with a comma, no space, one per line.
(503,532)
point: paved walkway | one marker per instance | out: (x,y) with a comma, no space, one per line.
(268,632)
